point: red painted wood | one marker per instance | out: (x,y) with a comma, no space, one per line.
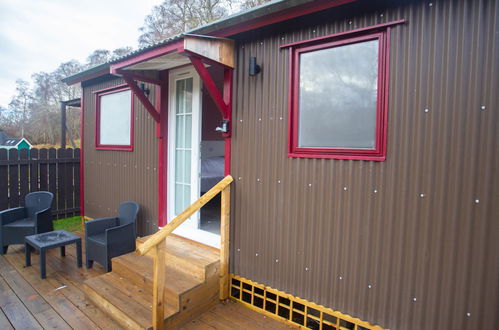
(344,33)
(177,46)
(100,146)
(379,152)
(227,97)
(210,85)
(142,97)
(163,150)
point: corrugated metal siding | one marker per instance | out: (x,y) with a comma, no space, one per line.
(115,176)
(315,228)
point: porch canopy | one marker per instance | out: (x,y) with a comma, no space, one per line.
(199,50)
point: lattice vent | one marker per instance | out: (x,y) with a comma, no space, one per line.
(292,310)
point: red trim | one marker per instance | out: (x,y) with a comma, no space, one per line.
(100,146)
(162,102)
(209,84)
(177,46)
(341,34)
(82,172)
(379,152)
(227,97)
(142,97)
(283,15)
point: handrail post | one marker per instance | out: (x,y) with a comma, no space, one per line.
(158,317)
(224,243)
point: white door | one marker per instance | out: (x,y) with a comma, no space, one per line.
(184,152)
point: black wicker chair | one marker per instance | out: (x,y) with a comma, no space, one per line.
(107,238)
(34,218)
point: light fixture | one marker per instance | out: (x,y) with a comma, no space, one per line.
(254,68)
(145,90)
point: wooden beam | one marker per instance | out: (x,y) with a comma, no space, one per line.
(220,50)
(224,244)
(209,84)
(139,77)
(142,97)
(158,308)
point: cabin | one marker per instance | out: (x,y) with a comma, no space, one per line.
(7,142)
(344,154)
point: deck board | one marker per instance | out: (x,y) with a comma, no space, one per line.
(58,302)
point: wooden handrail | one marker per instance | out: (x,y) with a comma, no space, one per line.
(157,243)
(186,214)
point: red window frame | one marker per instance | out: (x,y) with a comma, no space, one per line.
(98,95)
(379,152)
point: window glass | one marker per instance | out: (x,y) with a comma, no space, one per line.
(115,118)
(337,97)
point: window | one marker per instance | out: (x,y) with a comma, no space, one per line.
(338,98)
(114,122)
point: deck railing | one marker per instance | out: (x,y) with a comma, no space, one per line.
(157,243)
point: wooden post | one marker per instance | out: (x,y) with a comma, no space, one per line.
(63,124)
(158,317)
(224,244)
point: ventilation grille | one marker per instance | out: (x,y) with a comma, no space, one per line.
(292,310)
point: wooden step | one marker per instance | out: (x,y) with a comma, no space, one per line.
(139,270)
(188,256)
(125,302)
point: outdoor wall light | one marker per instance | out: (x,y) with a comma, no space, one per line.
(254,68)
(145,90)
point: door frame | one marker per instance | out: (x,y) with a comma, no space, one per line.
(190,228)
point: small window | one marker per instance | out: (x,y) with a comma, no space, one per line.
(114,128)
(338,103)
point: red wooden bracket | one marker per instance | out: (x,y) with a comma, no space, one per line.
(142,97)
(210,85)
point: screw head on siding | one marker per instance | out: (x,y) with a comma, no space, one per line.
(477,201)
(430,4)
(345,188)
(257,180)
(350,22)
(381,15)
(468,314)
(375,191)
(238,250)
(280,118)
(277,260)
(483,107)
(421,195)
(306,269)
(426,110)
(340,277)
(310,185)
(414,299)
(259,119)
(279,181)
(256,254)
(369,286)
(240,120)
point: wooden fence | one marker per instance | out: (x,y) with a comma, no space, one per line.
(55,170)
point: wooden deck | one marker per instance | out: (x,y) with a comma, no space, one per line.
(58,302)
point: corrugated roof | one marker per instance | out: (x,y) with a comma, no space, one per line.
(238,18)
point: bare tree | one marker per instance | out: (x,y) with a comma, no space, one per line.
(20,104)
(176,16)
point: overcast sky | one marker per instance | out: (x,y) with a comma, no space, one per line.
(38,35)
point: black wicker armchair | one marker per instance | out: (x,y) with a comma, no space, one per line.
(107,238)
(34,218)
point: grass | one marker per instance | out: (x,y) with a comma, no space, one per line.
(70,224)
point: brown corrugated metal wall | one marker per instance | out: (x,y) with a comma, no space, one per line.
(408,243)
(115,176)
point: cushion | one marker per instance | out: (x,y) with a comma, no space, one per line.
(23,223)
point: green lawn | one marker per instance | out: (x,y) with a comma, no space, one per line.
(70,224)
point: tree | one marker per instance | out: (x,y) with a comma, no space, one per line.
(20,104)
(247,4)
(173,17)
